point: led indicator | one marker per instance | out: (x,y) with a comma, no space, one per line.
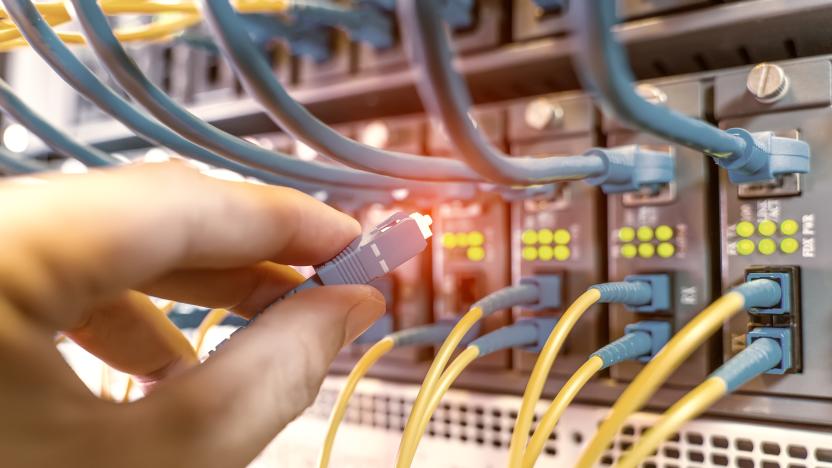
(745,247)
(545,253)
(666,250)
(767,246)
(745,229)
(476,238)
(626,234)
(562,253)
(448,240)
(529,237)
(529,254)
(646,250)
(562,237)
(789,245)
(645,233)
(664,233)
(475,254)
(545,236)
(789,227)
(767,228)
(628,251)
(462,239)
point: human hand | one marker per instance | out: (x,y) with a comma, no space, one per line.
(76,249)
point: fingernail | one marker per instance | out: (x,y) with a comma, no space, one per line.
(363,314)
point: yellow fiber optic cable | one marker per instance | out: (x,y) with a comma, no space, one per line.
(369,358)
(654,374)
(540,373)
(212,319)
(429,384)
(555,410)
(105,392)
(690,406)
(128,388)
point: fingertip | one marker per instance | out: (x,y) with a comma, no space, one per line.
(365,311)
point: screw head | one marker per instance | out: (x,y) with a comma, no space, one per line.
(542,113)
(767,82)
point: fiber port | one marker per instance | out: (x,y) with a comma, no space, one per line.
(787,185)
(781,321)
(660,285)
(658,331)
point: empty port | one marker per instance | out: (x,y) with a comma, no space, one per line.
(784,186)
(782,320)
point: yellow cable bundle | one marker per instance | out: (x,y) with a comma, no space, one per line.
(690,406)
(212,319)
(407,450)
(540,373)
(654,374)
(369,358)
(557,407)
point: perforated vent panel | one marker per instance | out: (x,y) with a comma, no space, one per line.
(473,430)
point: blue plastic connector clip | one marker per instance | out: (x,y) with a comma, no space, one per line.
(660,292)
(543,327)
(459,14)
(550,5)
(761,292)
(378,330)
(550,291)
(766,156)
(785,282)
(783,338)
(632,167)
(658,331)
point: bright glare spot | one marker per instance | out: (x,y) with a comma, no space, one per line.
(16,138)
(121,158)
(224,174)
(321,196)
(156,155)
(304,151)
(400,194)
(375,134)
(73,166)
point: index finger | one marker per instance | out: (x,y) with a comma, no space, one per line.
(79,238)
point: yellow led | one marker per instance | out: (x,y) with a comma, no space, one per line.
(448,240)
(545,236)
(767,246)
(476,238)
(646,250)
(789,227)
(666,250)
(628,251)
(789,245)
(529,237)
(544,252)
(645,233)
(562,237)
(475,254)
(562,253)
(529,254)
(664,233)
(767,228)
(626,234)
(462,239)
(745,247)
(745,229)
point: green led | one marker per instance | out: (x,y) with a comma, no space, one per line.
(545,236)
(745,247)
(529,254)
(628,251)
(562,237)
(562,253)
(476,238)
(529,237)
(545,253)
(745,229)
(664,233)
(767,246)
(789,245)
(767,228)
(626,234)
(645,233)
(666,250)
(646,250)
(789,227)
(448,240)
(475,254)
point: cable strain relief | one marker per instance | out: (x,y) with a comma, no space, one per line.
(424,335)
(630,346)
(512,336)
(760,293)
(760,356)
(630,293)
(507,297)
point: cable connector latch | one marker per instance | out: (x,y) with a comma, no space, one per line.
(632,167)
(766,157)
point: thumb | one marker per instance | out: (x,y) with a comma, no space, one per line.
(241,397)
